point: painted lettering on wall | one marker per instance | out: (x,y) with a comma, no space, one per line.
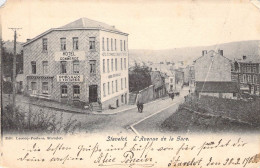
(69,78)
(70,56)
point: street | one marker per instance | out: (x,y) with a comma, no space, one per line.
(149,121)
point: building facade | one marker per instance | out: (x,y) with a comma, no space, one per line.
(83,61)
(246,72)
(213,76)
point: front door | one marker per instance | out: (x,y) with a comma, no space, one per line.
(93,93)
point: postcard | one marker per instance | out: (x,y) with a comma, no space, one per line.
(116,83)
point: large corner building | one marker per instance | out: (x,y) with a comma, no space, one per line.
(83,61)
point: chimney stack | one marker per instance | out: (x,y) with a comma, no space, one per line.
(244,57)
(204,52)
(220,52)
(28,40)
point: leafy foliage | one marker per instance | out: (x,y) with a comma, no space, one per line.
(139,77)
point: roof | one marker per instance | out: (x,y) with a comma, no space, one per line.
(80,24)
(88,23)
(210,53)
(156,79)
(250,59)
(217,87)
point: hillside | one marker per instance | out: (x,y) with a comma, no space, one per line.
(188,54)
(9,47)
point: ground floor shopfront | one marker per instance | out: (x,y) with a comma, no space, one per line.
(76,92)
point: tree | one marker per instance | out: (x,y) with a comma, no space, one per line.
(139,77)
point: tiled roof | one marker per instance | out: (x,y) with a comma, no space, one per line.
(82,23)
(217,87)
(88,23)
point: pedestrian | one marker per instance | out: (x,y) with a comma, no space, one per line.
(138,106)
(141,106)
(172,96)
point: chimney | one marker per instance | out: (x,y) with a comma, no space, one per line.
(220,52)
(204,52)
(114,26)
(244,57)
(28,40)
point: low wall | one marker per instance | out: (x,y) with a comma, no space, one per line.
(146,95)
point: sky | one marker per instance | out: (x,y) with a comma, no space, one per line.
(150,24)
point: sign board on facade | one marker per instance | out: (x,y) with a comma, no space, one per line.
(114,75)
(114,54)
(70,56)
(69,78)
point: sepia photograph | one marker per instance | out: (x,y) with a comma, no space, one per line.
(76,71)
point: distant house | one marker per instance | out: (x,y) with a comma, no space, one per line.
(158,81)
(246,72)
(213,76)
(228,90)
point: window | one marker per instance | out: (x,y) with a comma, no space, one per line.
(63,67)
(122,98)
(116,64)
(121,83)
(248,69)
(112,64)
(254,69)
(244,69)
(125,82)
(121,45)
(254,79)
(92,66)
(103,44)
(244,78)
(107,44)
(64,91)
(111,44)
(108,65)
(33,63)
(249,78)
(112,86)
(44,45)
(115,45)
(75,43)
(45,67)
(104,65)
(63,43)
(108,88)
(121,63)
(171,80)
(45,87)
(92,43)
(125,63)
(124,44)
(33,86)
(76,91)
(75,67)
(104,89)
(116,86)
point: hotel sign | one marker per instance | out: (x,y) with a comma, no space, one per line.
(114,54)
(114,75)
(69,56)
(69,78)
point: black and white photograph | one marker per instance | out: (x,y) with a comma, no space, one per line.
(187,71)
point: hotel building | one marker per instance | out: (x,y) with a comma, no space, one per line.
(83,61)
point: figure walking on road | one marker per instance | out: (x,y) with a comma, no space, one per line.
(140,107)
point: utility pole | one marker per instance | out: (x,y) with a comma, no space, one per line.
(14,66)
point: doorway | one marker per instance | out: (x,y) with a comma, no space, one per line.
(93,93)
